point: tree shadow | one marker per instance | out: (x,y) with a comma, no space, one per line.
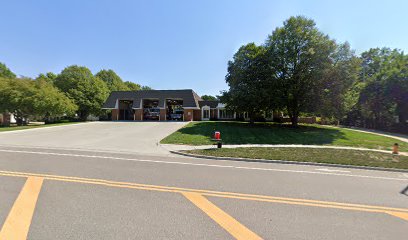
(405,191)
(265,133)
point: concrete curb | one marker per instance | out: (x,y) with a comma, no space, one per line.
(289,162)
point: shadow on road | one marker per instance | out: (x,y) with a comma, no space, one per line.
(405,191)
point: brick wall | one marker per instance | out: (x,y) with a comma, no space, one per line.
(115,114)
(138,115)
(162,114)
(188,114)
(214,114)
(197,115)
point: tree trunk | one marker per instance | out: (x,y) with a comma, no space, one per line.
(83,115)
(251,118)
(294,119)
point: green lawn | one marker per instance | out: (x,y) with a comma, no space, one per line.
(334,156)
(13,128)
(199,133)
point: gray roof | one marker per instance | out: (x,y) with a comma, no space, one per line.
(210,103)
(189,97)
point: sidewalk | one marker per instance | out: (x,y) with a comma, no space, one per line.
(397,136)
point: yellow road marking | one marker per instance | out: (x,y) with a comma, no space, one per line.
(203,192)
(227,222)
(242,196)
(18,221)
(401,215)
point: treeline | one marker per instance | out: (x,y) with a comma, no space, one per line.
(301,71)
(75,93)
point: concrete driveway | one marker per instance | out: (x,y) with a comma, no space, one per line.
(132,137)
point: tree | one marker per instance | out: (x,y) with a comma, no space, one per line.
(299,55)
(48,77)
(112,80)
(339,81)
(49,103)
(87,91)
(5,72)
(209,98)
(15,98)
(247,79)
(131,86)
(384,92)
(146,88)
(26,98)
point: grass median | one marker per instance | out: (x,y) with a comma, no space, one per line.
(333,156)
(199,133)
(31,126)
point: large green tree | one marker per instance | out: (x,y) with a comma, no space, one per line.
(112,80)
(5,72)
(299,56)
(385,92)
(50,103)
(48,77)
(87,91)
(131,86)
(146,88)
(247,79)
(209,98)
(26,98)
(339,81)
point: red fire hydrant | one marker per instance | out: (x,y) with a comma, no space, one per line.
(217,138)
(217,135)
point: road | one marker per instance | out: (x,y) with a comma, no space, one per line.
(51,193)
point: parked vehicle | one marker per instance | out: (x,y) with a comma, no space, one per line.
(177,115)
(152,113)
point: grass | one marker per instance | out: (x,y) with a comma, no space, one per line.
(13,127)
(334,156)
(199,133)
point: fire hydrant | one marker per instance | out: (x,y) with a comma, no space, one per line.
(217,138)
(217,135)
(395,148)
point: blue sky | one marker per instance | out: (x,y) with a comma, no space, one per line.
(176,44)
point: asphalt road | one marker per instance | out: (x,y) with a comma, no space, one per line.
(84,194)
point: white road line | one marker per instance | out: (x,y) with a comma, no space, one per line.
(332,170)
(204,165)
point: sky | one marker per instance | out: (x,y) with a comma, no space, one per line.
(171,44)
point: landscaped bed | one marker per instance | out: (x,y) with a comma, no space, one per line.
(333,156)
(30,126)
(199,133)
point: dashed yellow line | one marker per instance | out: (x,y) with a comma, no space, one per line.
(18,221)
(243,196)
(235,228)
(197,197)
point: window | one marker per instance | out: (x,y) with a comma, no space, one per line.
(206,113)
(226,114)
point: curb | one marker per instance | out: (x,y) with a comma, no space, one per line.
(289,162)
